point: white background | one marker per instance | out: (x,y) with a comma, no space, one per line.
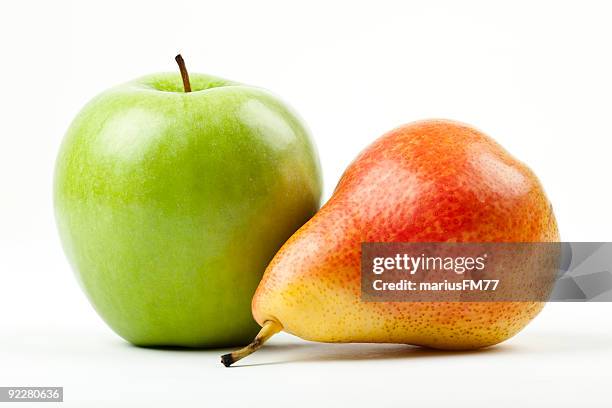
(534,75)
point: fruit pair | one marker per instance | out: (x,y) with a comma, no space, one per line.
(172,194)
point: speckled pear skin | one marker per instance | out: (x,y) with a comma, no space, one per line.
(429,181)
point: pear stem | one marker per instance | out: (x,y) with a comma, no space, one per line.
(184,74)
(269,329)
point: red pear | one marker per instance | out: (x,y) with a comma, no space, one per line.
(429,181)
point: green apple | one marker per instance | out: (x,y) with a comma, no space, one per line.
(170,204)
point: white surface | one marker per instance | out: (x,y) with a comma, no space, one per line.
(561,360)
(534,75)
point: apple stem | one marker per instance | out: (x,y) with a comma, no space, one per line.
(184,74)
(269,329)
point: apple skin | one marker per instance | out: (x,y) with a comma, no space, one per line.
(170,205)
